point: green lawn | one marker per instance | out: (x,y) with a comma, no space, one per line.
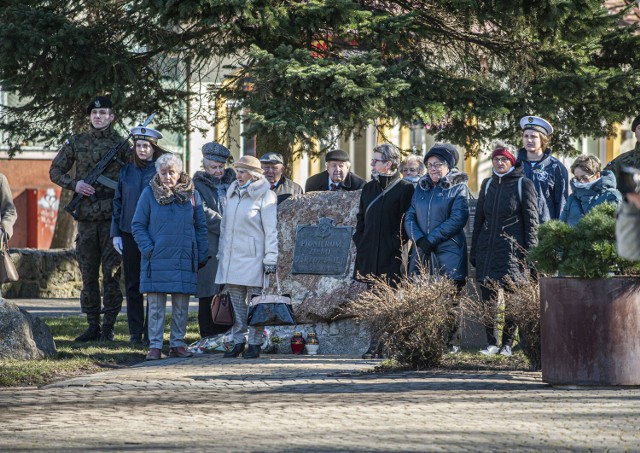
(74,359)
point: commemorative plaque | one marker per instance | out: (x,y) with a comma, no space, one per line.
(321,249)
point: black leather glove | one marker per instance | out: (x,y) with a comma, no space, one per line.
(425,245)
(269,269)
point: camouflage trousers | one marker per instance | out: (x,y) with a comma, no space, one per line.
(94,249)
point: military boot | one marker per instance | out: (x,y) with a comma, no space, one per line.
(108,332)
(91,334)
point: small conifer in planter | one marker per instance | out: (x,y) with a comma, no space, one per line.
(587,250)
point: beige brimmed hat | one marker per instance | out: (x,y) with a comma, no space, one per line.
(249,163)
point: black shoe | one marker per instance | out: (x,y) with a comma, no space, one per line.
(108,333)
(91,334)
(252,352)
(235,352)
(370,354)
(135,341)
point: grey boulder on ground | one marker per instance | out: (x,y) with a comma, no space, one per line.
(317,298)
(23,336)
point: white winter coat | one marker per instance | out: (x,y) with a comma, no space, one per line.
(248,235)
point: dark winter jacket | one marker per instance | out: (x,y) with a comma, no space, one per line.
(319,182)
(439,213)
(85,150)
(131,182)
(285,188)
(506,222)
(551,181)
(172,239)
(584,200)
(628,159)
(214,193)
(378,237)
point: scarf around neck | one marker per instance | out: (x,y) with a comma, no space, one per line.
(180,193)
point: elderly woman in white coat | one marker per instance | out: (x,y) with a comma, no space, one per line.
(248,248)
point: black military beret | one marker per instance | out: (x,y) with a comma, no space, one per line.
(100,102)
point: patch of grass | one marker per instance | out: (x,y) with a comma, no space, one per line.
(467,361)
(74,359)
(474,361)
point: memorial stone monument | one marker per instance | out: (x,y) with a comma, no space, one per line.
(315,265)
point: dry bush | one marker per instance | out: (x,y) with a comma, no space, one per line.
(412,319)
(520,299)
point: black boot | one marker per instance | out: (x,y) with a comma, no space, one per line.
(108,333)
(91,334)
(252,352)
(235,352)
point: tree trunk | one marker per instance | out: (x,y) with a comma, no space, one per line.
(276,143)
(65,231)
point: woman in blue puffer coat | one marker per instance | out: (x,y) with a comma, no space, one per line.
(435,222)
(590,187)
(170,229)
(133,179)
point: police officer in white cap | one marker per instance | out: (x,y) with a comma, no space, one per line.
(549,175)
(134,177)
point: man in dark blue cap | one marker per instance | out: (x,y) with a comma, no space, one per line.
(94,247)
(273,167)
(337,176)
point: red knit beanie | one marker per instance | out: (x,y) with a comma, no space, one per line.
(506,153)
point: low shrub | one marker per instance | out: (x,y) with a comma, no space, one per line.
(587,250)
(411,319)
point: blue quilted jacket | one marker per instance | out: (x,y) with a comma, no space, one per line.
(173,240)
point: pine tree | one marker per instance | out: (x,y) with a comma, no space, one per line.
(304,70)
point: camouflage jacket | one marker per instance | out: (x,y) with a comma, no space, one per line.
(85,151)
(628,159)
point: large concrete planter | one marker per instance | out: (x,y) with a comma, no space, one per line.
(590,331)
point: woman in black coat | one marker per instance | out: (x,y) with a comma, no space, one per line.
(383,204)
(506,225)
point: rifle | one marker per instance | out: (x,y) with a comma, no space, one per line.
(96,173)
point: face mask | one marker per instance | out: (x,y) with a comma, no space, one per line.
(412,178)
(246,184)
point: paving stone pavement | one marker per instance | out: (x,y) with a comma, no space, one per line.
(285,403)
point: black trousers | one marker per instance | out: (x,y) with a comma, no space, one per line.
(489,297)
(205,321)
(135,300)
(454,321)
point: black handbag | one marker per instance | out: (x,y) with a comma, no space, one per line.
(222,309)
(8,272)
(268,309)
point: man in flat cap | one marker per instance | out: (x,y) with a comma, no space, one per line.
(550,177)
(630,158)
(94,247)
(212,184)
(337,176)
(273,167)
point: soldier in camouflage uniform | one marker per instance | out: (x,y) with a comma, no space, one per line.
(94,247)
(630,158)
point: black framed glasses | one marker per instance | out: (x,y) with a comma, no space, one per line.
(375,161)
(435,166)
